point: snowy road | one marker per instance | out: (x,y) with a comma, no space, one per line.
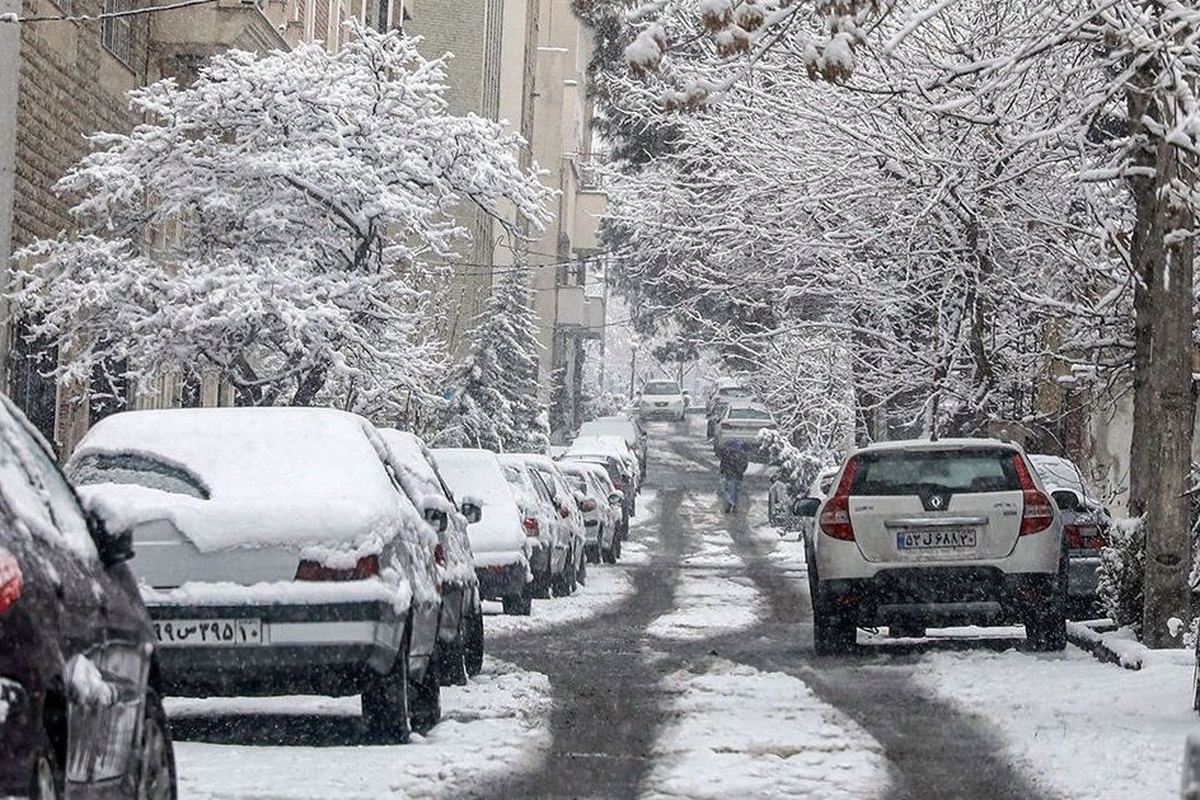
(686,671)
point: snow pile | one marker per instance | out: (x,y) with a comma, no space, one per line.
(744,733)
(1059,715)
(606,589)
(492,728)
(708,604)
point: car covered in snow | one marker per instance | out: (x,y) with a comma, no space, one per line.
(499,545)
(948,532)
(545,530)
(460,629)
(661,399)
(81,710)
(628,428)
(276,554)
(1085,526)
(570,546)
(602,507)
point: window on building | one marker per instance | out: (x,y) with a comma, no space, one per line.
(115,31)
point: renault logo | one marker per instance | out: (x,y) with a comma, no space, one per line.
(936,501)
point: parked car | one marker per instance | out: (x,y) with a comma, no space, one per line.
(574,568)
(616,457)
(499,543)
(661,399)
(545,529)
(955,531)
(714,413)
(276,555)
(81,710)
(1085,526)
(459,650)
(603,509)
(726,388)
(742,420)
(628,428)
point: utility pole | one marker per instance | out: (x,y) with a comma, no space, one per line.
(10,63)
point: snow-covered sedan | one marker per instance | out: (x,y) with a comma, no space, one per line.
(947,532)
(460,629)
(601,504)
(275,554)
(498,542)
(545,530)
(742,420)
(573,567)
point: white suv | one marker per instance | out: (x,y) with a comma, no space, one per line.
(957,531)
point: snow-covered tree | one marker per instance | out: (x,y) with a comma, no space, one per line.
(270,222)
(493,400)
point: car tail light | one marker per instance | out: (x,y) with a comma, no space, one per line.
(587,505)
(563,511)
(1039,509)
(1084,537)
(835,516)
(531,526)
(367,567)
(11,581)
(439,554)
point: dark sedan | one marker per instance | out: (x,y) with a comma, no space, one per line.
(80,711)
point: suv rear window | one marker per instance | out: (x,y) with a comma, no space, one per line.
(749,413)
(661,387)
(915,471)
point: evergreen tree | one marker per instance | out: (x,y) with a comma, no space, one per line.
(493,401)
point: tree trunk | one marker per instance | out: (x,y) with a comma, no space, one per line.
(1164,407)
(311,382)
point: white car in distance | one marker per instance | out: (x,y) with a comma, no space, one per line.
(661,400)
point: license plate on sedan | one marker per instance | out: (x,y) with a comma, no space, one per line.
(209,632)
(935,539)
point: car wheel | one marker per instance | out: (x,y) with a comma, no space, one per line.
(591,554)
(581,573)
(541,586)
(1046,623)
(385,707)
(519,605)
(609,553)
(833,633)
(47,781)
(425,700)
(449,657)
(906,630)
(156,756)
(473,646)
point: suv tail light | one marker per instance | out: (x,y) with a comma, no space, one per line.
(439,555)
(1038,513)
(367,567)
(587,504)
(11,581)
(835,516)
(531,526)
(563,511)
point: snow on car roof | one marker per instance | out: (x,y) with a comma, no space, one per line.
(599,445)
(1058,473)
(936,444)
(307,477)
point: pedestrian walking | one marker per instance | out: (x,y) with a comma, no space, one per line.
(733,464)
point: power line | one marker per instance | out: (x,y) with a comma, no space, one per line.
(11,18)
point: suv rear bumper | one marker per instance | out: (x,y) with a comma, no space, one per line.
(502,580)
(939,596)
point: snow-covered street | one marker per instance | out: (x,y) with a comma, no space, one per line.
(710,692)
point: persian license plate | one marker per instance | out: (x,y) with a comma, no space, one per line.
(935,539)
(208,632)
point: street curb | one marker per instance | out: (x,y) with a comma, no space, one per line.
(1107,643)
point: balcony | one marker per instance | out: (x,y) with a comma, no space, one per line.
(582,315)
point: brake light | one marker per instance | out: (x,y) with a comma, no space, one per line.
(587,504)
(367,567)
(439,555)
(1038,513)
(1084,537)
(531,526)
(619,484)
(835,516)
(563,511)
(11,581)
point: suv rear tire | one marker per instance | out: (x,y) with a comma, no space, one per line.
(833,633)
(385,702)
(1046,624)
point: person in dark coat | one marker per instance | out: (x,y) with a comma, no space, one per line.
(734,460)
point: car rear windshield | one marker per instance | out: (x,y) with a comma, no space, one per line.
(139,470)
(749,413)
(915,471)
(661,388)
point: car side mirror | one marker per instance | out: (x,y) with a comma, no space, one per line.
(472,511)
(113,548)
(805,506)
(437,518)
(1066,500)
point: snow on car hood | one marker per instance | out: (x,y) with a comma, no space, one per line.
(304,478)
